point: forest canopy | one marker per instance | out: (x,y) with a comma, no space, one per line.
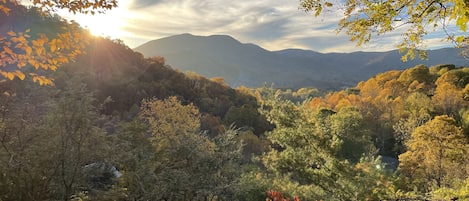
(117,126)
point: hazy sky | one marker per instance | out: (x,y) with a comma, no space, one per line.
(272,24)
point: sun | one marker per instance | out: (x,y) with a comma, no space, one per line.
(104,26)
(108,24)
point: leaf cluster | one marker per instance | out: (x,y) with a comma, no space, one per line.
(363,19)
(24,52)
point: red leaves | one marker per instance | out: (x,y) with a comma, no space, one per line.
(278,196)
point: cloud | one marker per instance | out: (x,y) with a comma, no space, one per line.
(274,25)
(139,4)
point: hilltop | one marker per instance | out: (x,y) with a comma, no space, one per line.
(251,65)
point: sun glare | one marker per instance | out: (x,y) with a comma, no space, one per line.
(109,24)
(103,26)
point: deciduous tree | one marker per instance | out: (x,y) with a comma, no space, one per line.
(187,164)
(308,153)
(22,49)
(47,142)
(436,155)
(365,18)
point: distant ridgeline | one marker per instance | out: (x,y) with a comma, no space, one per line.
(253,66)
(118,126)
(122,77)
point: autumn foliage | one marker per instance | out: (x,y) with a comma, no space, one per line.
(401,135)
(278,196)
(25,46)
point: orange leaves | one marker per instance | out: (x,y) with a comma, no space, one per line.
(28,50)
(7,50)
(278,196)
(40,41)
(53,45)
(11,33)
(12,75)
(18,49)
(42,80)
(34,63)
(56,44)
(3,8)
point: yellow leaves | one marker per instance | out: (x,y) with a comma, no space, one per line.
(42,39)
(12,75)
(4,9)
(34,63)
(461,14)
(20,75)
(8,50)
(168,117)
(11,33)
(21,64)
(41,53)
(55,44)
(62,60)
(53,47)
(369,18)
(8,75)
(53,67)
(439,141)
(28,50)
(42,80)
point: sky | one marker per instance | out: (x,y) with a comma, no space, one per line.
(271,24)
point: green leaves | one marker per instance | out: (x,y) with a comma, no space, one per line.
(186,163)
(55,136)
(312,148)
(364,19)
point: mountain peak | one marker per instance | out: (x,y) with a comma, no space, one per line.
(221,37)
(191,37)
(187,41)
(250,65)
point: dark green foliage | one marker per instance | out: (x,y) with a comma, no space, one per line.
(246,117)
(442,68)
(49,136)
(117,126)
(117,73)
(312,151)
(166,158)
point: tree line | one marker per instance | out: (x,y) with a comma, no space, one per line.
(113,125)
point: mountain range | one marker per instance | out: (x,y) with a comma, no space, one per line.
(252,66)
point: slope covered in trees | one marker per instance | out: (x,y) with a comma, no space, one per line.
(117,126)
(341,146)
(67,141)
(122,78)
(253,66)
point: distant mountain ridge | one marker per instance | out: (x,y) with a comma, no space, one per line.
(251,65)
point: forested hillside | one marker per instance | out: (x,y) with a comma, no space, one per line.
(245,64)
(117,126)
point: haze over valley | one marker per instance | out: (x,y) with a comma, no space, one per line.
(87,115)
(247,64)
